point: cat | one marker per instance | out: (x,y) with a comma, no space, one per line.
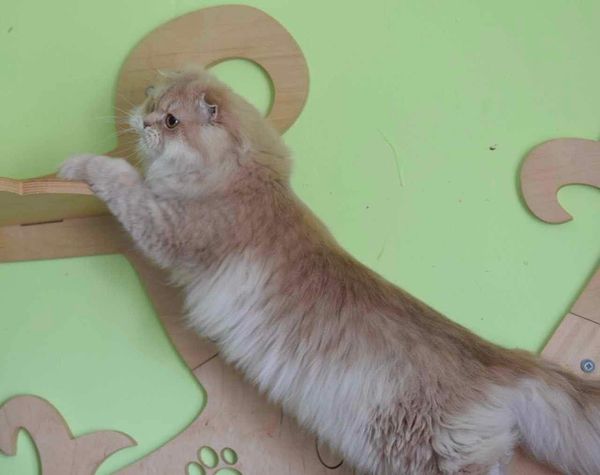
(388,382)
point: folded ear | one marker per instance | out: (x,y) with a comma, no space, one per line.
(209,110)
(219,107)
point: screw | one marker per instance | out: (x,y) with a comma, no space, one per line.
(587,365)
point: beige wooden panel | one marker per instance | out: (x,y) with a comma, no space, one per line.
(574,340)
(588,304)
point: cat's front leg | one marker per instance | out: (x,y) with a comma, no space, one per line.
(146,218)
(113,180)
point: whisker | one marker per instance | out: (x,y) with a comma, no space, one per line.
(133,155)
(112,120)
(123,140)
(126,99)
(125,130)
(123,111)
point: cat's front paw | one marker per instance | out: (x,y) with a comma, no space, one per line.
(99,171)
(76,167)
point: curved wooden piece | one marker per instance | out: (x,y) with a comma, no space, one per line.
(210,36)
(555,164)
(207,37)
(546,169)
(60,453)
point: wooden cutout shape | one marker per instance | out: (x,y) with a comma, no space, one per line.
(47,218)
(546,169)
(60,453)
(552,165)
(208,37)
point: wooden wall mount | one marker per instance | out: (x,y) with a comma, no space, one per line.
(546,169)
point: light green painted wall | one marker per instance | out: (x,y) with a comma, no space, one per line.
(428,84)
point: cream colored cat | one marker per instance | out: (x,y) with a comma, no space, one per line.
(390,383)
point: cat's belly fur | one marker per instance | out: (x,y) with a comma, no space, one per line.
(334,399)
(371,408)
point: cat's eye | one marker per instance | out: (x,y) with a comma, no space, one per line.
(171,121)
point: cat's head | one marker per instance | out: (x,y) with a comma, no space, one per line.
(193,126)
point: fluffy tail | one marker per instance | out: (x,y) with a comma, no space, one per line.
(558,416)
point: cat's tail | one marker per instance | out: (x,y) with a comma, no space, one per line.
(558,417)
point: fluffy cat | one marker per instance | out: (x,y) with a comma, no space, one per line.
(387,381)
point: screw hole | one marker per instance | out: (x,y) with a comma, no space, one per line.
(587,366)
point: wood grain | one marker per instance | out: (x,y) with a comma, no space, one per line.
(50,200)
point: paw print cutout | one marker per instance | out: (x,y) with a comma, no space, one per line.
(209,462)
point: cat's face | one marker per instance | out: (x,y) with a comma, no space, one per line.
(173,118)
(193,128)
(183,127)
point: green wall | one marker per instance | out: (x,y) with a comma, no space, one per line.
(393,151)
